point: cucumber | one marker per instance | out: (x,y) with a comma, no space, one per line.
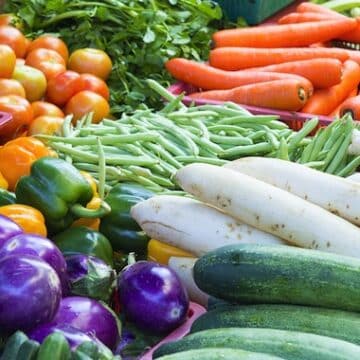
(282,274)
(79,355)
(219,354)
(291,345)
(216,303)
(13,345)
(54,347)
(339,324)
(28,350)
(89,348)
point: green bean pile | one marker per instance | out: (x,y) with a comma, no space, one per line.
(148,147)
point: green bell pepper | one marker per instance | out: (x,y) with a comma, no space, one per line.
(83,240)
(59,191)
(7,197)
(118,226)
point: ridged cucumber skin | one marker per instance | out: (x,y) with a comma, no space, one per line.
(338,324)
(54,347)
(28,350)
(290,345)
(79,355)
(219,354)
(13,345)
(89,348)
(283,274)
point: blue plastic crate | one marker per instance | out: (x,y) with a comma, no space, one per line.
(253,11)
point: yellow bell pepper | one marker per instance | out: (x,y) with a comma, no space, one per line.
(93,204)
(28,218)
(161,252)
(17,156)
(3,182)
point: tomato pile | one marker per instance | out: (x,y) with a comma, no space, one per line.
(41,83)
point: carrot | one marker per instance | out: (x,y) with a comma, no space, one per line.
(354,55)
(336,112)
(324,101)
(290,35)
(322,72)
(295,18)
(237,58)
(288,94)
(351,106)
(207,77)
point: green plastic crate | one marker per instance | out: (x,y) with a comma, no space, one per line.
(253,11)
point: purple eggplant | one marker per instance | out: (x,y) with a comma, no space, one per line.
(74,336)
(152,297)
(29,244)
(30,292)
(91,317)
(8,229)
(90,276)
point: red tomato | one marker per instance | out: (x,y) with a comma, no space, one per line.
(87,101)
(33,81)
(13,37)
(48,61)
(93,83)
(11,87)
(45,125)
(7,61)
(52,43)
(41,108)
(91,61)
(62,87)
(22,114)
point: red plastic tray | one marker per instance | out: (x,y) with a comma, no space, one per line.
(294,120)
(195,310)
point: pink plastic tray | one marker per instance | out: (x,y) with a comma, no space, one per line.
(195,311)
(295,120)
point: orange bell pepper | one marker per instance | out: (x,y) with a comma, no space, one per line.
(161,252)
(28,218)
(17,155)
(93,204)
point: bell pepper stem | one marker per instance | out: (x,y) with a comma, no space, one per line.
(82,212)
(131,258)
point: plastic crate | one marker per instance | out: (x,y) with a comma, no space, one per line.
(253,11)
(295,120)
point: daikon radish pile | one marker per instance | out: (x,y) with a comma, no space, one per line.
(335,194)
(270,209)
(193,226)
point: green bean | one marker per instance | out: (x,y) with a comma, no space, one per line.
(214,128)
(220,110)
(191,115)
(315,164)
(334,135)
(101,131)
(163,168)
(164,154)
(173,104)
(141,180)
(234,106)
(350,168)
(308,127)
(246,150)
(272,139)
(110,170)
(262,120)
(138,170)
(332,152)
(283,151)
(171,147)
(102,170)
(231,140)
(66,127)
(201,159)
(203,129)
(257,135)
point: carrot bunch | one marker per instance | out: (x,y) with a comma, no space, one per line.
(280,66)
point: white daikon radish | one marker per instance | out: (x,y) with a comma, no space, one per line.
(193,226)
(183,267)
(354,177)
(338,195)
(270,209)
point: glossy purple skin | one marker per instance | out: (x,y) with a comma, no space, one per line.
(30,292)
(89,316)
(8,229)
(35,245)
(77,265)
(74,336)
(153,297)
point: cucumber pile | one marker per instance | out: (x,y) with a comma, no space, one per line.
(276,301)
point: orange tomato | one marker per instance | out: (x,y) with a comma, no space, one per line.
(12,20)
(62,87)
(41,108)
(22,114)
(48,61)
(13,37)
(85,102)
(93,83)
(33,81)
(11,87)
(91,61)
(45,125)
(52,43)
(7,61)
